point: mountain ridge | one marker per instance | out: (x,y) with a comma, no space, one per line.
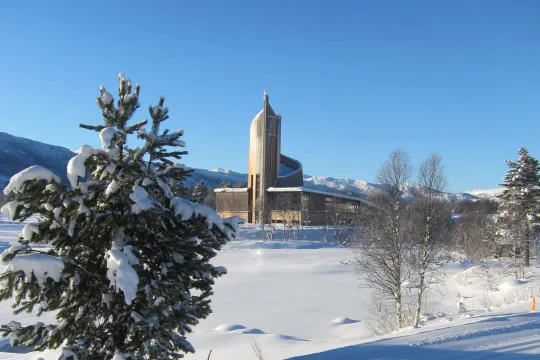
(18,153)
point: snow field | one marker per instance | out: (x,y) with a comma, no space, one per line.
(302,299)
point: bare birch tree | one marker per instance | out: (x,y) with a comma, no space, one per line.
(382,240)
(432,222)
(340,221)
(263,214)
(283,205)
(511,236)
(296,216)
(474,235)
(235,206)
(326,227)
(305,218)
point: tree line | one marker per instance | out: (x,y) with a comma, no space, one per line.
(401,245)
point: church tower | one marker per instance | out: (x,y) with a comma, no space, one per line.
(264,159)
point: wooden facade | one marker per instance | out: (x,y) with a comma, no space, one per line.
(298,205)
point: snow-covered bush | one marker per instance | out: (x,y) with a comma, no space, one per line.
(491,275)
(463,278)
(522,293)
(489,302)
(122,254)
(461,308)
(381,318)
(474,235)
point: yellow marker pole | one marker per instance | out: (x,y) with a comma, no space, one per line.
(534,303)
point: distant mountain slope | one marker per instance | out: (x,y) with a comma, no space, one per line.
(213,177)
(17,153)
(486,194)
(328,184)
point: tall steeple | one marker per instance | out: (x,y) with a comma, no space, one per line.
(264,157)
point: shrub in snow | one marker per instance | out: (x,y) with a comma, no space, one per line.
(382,317)
(123,254)
(490,276)
(489,302)
(461,308)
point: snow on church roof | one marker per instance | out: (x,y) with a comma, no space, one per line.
(308,190)
(232,190)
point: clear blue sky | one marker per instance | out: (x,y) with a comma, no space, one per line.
(353,80)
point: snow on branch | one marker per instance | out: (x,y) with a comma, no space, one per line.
(182,208)
(43,266)
(121,275)
(29,230)
(107,135)
(165,139)
(106,97)
(35,172)
(185,209)
(11,208)
(133,128)
(140,197)
(76,168)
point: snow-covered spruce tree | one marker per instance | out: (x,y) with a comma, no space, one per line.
(123,255)
(199,192)
(519,212)
(224,185)
(240,184)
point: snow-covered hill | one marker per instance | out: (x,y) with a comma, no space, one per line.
(17,153)
(364,188)
(213,177)
(486,194)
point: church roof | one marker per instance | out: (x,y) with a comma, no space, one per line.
(308,190)
(232,190)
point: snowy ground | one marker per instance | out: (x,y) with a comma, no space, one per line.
(301,300)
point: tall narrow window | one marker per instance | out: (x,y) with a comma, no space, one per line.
(270,126)
(305,201)
(257,186)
